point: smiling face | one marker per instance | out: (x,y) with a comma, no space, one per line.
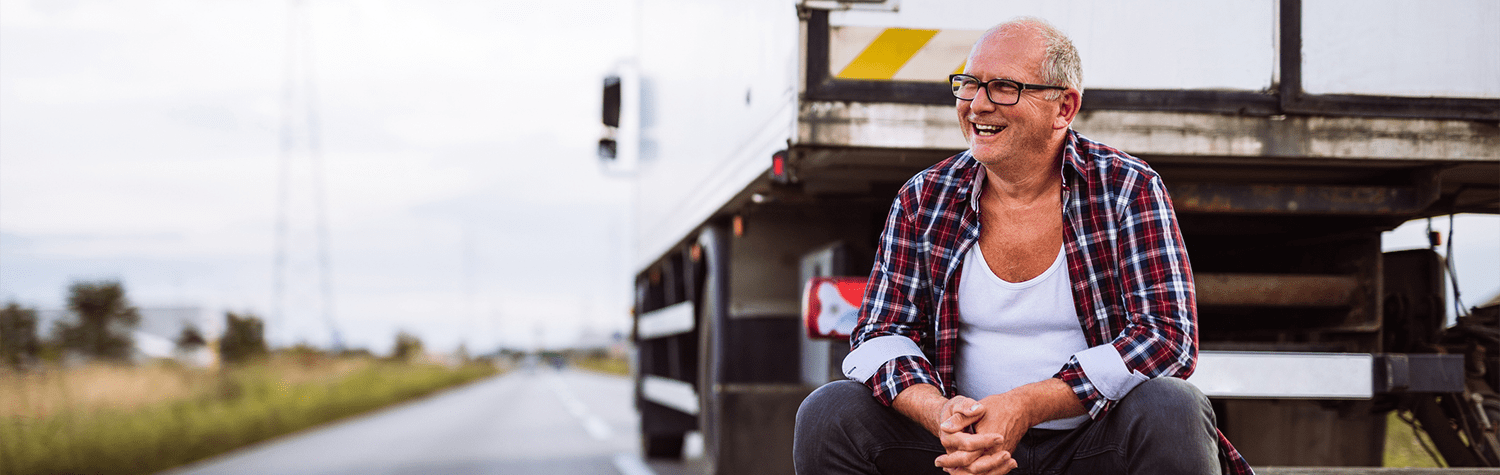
(1033,128)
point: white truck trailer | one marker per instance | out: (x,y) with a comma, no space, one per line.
(767,139)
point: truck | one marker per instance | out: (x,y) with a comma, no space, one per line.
(766,140)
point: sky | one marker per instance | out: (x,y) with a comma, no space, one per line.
(141,141)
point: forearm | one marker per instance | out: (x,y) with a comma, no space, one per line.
(922,404)
(1039,402)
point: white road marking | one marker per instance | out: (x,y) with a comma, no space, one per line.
(631,464)
(591,423)
(597,428)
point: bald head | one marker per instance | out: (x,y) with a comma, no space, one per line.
(1059,66)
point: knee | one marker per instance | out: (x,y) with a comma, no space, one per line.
(822,409)
(1172,401)
(823,420)
(1171,392)
(1171,426)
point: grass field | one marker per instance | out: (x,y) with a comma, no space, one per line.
(1402,448)
(103,419)
(607,365)
(134,420)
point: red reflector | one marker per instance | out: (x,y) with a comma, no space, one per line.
(830,306)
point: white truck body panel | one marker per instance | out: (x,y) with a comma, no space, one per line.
(1445,48)
(718,89)
(1448,48)
(1123,45)
(720,80)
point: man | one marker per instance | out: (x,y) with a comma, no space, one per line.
(1031,307)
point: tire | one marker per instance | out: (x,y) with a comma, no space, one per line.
(667,446)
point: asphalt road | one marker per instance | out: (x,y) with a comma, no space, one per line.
(523,422)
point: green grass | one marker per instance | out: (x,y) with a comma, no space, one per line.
(607,365)
(1402,448)
(247,406)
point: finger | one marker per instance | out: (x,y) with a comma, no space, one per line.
(970,408)
(957,459)
(961,441)
(955,441)
(955,404)
(965,406)
(992,462)
(1005,467)
(958,422)
(1010,465)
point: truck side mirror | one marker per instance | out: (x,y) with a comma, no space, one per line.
(610,114)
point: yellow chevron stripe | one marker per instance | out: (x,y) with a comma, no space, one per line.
(887,54)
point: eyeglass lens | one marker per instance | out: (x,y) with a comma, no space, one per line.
(1000,91)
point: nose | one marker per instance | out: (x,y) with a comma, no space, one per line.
(982,101)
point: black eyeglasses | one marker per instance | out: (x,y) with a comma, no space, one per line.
(1002,92)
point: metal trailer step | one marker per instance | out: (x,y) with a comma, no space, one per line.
(1372,470)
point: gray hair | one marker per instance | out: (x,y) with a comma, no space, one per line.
(1060,65)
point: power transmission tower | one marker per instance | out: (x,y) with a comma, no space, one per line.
(303,281)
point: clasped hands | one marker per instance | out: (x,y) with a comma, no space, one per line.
(979,435)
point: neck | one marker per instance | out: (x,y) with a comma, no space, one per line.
(1024,181)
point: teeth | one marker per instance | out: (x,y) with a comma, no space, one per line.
(987,129)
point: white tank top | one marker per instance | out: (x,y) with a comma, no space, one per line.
(1014,333)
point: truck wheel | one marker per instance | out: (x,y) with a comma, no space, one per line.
(667,446)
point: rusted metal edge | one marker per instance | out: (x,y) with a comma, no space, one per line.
(1276,290)
(1301,199)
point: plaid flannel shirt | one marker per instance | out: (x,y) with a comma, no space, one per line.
(1131,279)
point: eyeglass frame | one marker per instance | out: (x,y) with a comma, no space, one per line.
(985,86)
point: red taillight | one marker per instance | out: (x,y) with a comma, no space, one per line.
(778,168)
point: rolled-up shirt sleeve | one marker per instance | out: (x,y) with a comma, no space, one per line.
(885,348)
(870,356)
(1160,335)
(1106,371)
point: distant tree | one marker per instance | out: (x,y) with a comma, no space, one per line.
(18,341)
(305,354)
(244,338)
(463,352)
(190,339)
(355,353)
(104,321)
(303,348)
(408,346)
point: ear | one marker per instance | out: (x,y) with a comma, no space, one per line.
(1068,106)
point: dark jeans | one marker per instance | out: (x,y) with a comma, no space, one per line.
(1163,426)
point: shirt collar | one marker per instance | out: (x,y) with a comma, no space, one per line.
(1071,158)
